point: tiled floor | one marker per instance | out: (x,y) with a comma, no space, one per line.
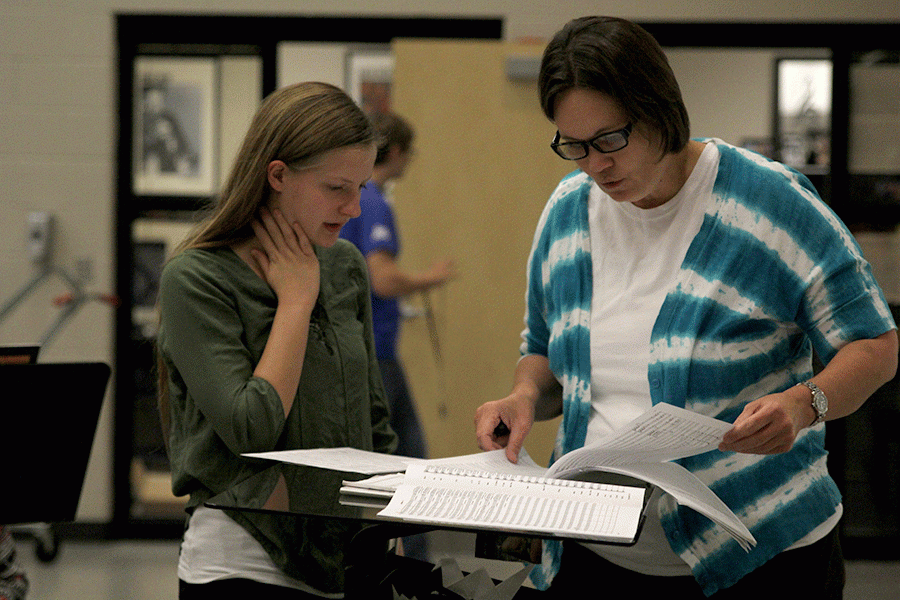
(145,570)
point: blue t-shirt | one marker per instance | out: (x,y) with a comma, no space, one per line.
(372,231)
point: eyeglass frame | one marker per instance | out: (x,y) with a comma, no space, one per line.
(625,132)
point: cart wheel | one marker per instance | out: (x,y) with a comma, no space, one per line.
(47,549)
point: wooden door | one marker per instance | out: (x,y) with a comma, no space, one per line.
(482,172)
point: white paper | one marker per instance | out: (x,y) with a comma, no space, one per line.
(643,448)
(513,503)
(689,491)
(377,486)
(494,462)
(664,432)
(350,460)
(461,489)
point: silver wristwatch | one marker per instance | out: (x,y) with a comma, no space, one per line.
(819,401)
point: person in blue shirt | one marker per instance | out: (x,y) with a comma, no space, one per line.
(374,232)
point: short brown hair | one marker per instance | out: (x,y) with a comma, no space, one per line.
(391,130)
(622,60)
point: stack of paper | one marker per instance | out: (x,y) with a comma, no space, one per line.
(378,486)
(485,490)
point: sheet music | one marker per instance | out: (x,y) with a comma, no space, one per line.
(449,495)
(494,461)
(688,490)
(350,460)
(376,485)
(486,491)
(665,432)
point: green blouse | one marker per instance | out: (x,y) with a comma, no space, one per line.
(216,313)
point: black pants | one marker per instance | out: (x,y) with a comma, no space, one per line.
(239,588)
(815,571)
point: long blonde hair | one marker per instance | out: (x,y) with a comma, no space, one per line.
(295,124)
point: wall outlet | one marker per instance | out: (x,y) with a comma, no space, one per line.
(40,236)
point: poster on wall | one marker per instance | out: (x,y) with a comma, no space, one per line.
(369,76)
(804,112)
(174,126)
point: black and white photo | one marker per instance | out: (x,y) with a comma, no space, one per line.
(174,118)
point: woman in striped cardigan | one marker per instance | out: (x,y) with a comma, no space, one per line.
(699,274)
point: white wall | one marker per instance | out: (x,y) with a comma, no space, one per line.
(57,147)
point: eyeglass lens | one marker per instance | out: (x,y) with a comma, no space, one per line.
(605,143)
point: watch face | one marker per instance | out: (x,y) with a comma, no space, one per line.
(820,402)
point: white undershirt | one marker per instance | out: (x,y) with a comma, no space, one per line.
(215,547)
(636,255)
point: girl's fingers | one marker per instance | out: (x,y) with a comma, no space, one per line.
(262,234)
(261,258)
(287,231)
(303,240)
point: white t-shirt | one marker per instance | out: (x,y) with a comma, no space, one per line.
(636,256)
(215,547)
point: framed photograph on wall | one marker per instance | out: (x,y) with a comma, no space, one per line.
(153,242)
(369,76)
(175,120)
(803,89)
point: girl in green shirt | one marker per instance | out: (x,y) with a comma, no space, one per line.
(265,342)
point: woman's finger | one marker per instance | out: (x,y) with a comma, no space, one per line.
(262,234)
(303,241)
(288,235)
(261,258)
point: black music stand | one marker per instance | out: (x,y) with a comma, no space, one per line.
(49,413)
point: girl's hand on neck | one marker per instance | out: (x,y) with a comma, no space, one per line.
(284,257)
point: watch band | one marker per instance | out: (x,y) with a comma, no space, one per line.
(819,402)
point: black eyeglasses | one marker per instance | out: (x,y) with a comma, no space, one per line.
(605,143)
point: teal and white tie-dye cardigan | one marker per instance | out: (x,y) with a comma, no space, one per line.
(771,275)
